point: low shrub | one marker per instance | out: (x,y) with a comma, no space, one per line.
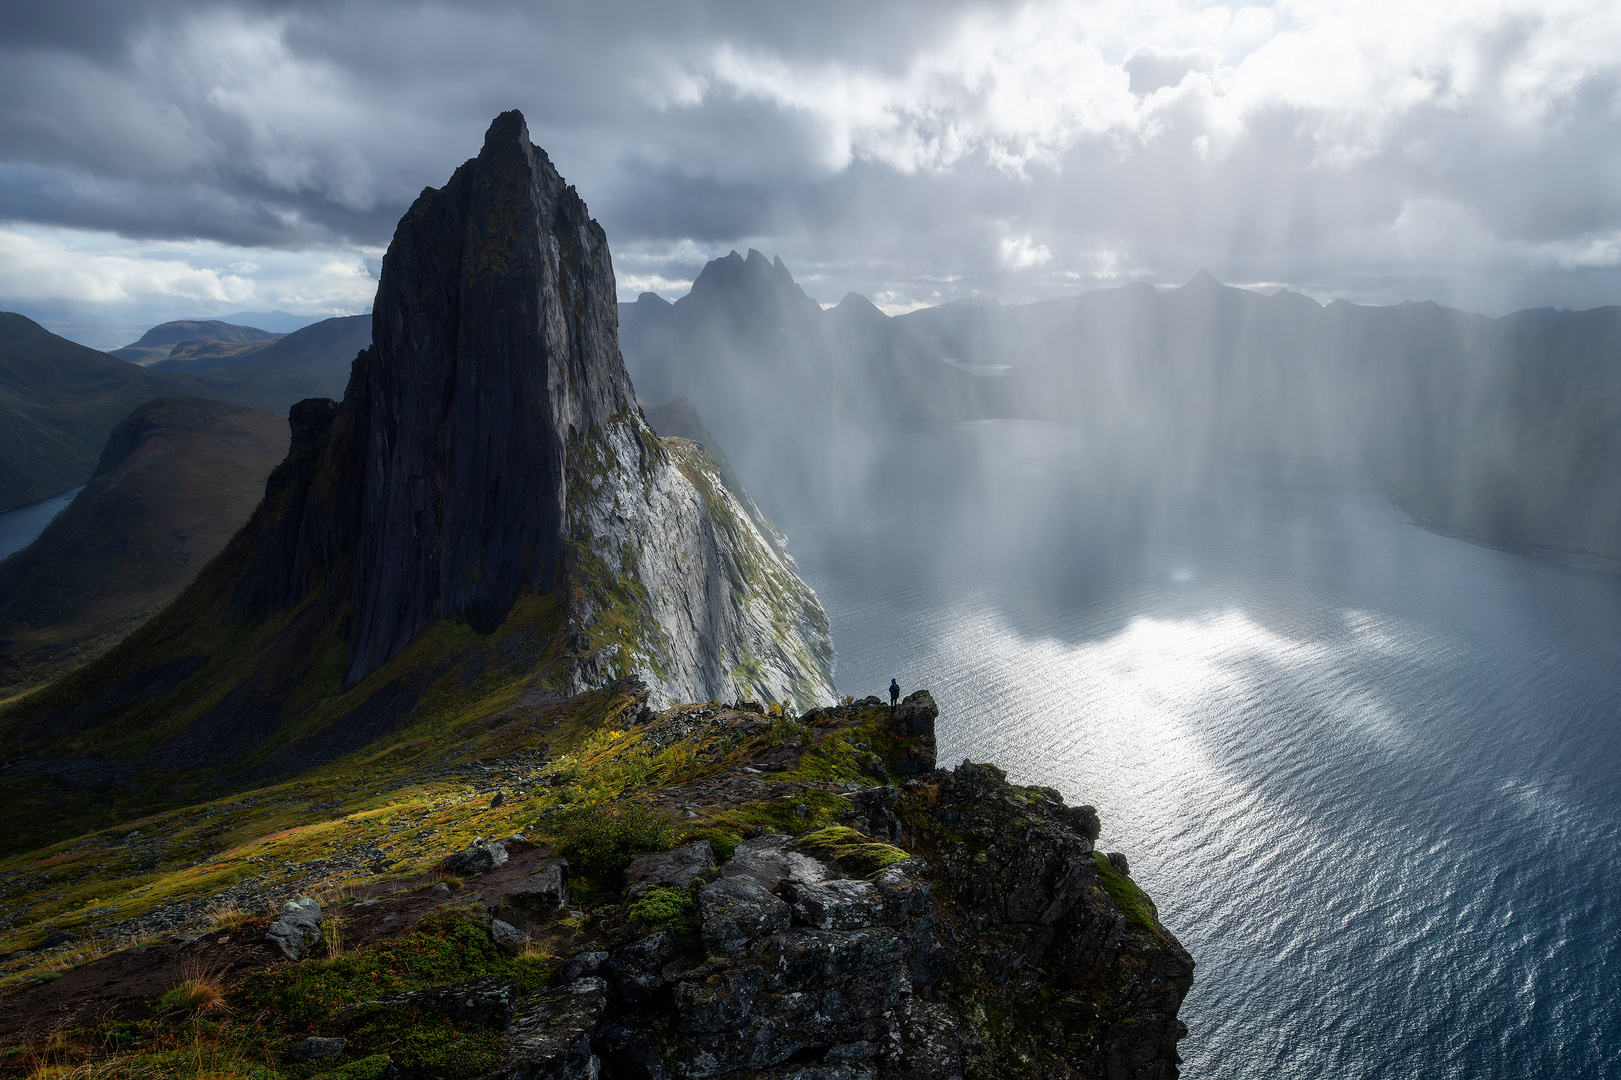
(604,836)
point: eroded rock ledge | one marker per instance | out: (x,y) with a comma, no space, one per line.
(955,925)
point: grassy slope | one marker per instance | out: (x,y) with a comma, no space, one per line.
(190,475)
(579,776)
(58,401)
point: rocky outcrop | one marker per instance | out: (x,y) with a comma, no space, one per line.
(990,940)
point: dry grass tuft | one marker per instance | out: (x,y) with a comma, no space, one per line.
(197,991)
(332,935)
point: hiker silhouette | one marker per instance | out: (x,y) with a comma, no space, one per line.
(894,694)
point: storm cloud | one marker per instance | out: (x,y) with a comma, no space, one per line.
(159,159)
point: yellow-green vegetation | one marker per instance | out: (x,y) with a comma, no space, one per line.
(668,909)
(1133,902)
(853,852)
(577,775)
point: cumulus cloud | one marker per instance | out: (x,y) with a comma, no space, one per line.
(1380,150)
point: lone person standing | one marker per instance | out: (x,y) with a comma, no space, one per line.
(894,694)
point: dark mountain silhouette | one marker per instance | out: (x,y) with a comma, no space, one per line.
(177,478)
(58,402)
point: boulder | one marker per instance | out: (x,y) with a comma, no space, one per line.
(837,905)
(1120,863)
(914,719)
(734,911)
(545,889)
(584,964)
(297,930)
(508,938)
(677,868)
(477,858)
(637,967)
(769,860)
(1085,821)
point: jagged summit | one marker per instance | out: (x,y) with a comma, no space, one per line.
(493,338)
(487,473)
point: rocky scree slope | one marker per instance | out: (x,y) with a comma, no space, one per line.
(487,475)
(835,908)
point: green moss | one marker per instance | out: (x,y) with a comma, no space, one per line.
(853,852)
(1132,901)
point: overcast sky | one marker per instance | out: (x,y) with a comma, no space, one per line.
(160,159)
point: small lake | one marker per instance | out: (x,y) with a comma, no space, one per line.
(1370,775)
(19,527)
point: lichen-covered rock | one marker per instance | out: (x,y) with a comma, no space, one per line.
(637,968)
(677,868)
(298,929)
(508,938)
(316,1049)
(978,937)
(477,858)
(546,887)
(551,1039)
(914,717)
(736,910)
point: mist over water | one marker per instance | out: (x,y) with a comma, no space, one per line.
(1368,773)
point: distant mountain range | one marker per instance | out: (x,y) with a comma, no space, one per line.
(788,387)
(60,400)
(1507,429)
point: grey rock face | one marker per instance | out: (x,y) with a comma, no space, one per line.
(838,905)
(298,929)
(735,911)
(586,963)
(677,868)
(1004,955)
(545,888)
(316,1050)
(915,717)
(479,858)
(638,968)
(551,1040)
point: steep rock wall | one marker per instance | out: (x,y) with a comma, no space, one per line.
(489,445)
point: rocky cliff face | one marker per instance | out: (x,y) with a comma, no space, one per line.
(489,446)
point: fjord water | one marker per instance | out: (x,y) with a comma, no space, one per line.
(1370,775)
(19,527)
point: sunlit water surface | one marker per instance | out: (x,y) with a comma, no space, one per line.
(19,527)
(1369,774)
